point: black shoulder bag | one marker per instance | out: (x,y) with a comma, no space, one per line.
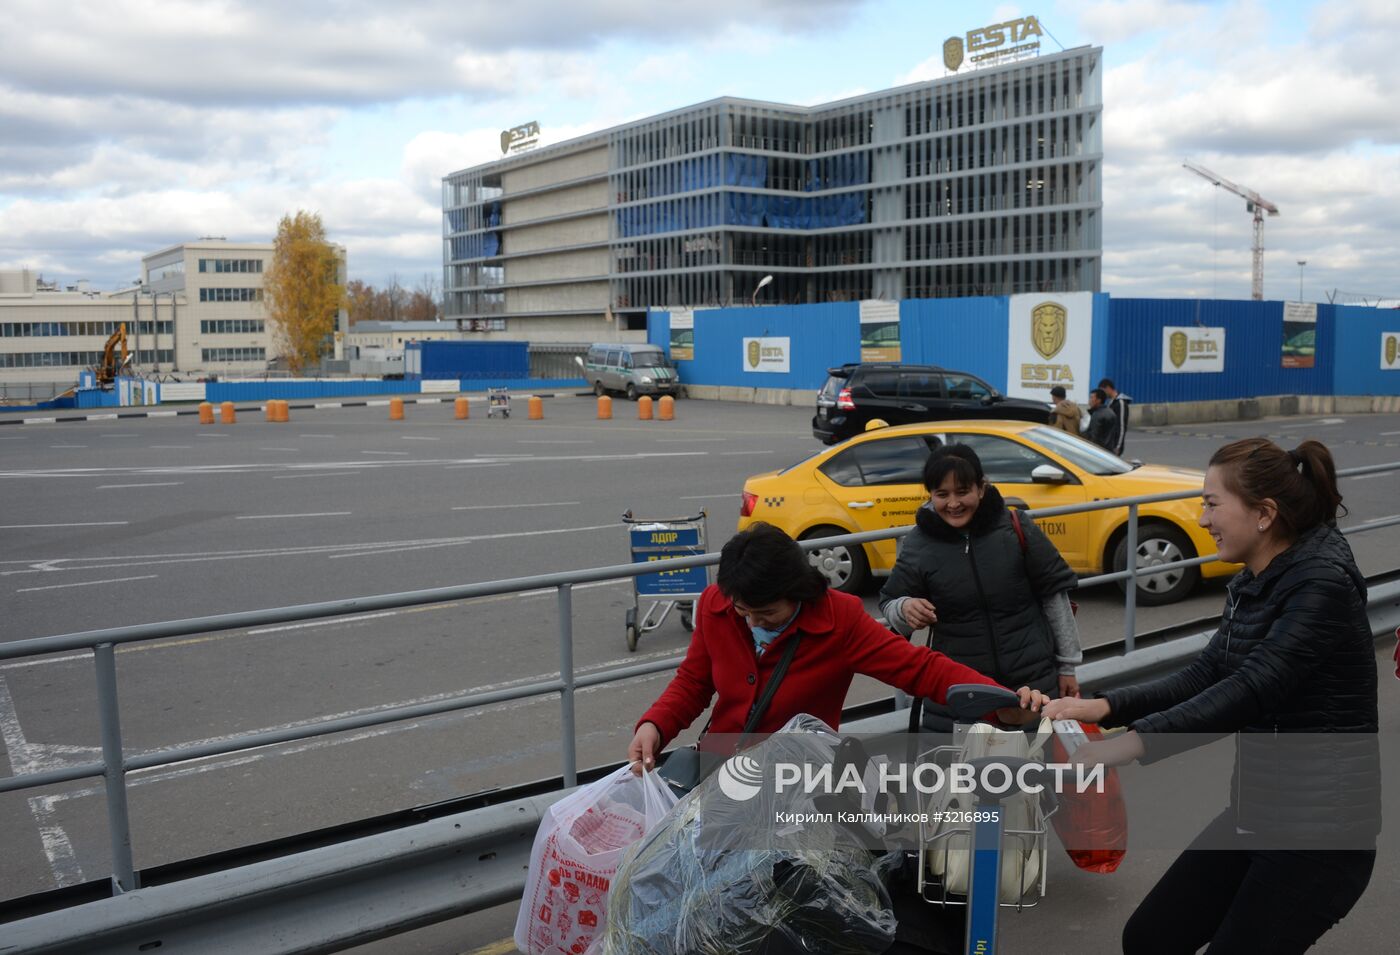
(687,767)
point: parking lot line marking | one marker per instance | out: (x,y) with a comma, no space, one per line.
(463,467)
(453,542)
(504,947)
(171,447)
(209,435)
(67,445)
(318,474)
(279,449)
(556,441)
(315,436)
(493,507)
(269,517)
(1386,434)
(14,437)
(109,487)
(708,497)
(383,452)
(16,527)
(86,583)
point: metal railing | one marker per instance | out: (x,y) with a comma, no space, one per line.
(115,764)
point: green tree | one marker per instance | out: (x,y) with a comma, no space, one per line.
(302,290)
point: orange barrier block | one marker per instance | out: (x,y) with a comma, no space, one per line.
(395,409)
(283,412)
(667,408)
(463,412)
(226,414)
(604,408)
(270,410)
(644,408)
(536,408)
(206,413)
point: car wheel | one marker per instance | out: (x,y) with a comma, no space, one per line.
(1159,544)
(844,565)
(598,388)
(631,392)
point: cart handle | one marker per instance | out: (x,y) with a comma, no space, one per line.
(627,518)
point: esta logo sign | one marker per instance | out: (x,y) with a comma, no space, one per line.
(1011,38)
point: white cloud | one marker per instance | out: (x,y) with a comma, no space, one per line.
(1116,21)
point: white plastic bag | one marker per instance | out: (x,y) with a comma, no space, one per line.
(577,850)
(1020,862)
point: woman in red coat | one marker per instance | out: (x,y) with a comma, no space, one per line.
(766,594)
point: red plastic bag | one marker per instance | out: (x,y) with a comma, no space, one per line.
(579,845)
(1092,826)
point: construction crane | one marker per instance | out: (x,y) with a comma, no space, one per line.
(1254,204)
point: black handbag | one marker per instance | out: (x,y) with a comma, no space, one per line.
(687,767)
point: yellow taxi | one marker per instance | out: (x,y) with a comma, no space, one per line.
(874,481)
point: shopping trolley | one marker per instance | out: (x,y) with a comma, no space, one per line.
(658,540)
(987,851)
(498,402)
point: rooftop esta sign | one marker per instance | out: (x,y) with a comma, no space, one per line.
(1013,39)
(520,138)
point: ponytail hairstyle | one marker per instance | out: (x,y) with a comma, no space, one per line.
(1302,482)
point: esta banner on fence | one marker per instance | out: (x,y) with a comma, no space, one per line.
(1049,339)
(1192,348)
(767,354)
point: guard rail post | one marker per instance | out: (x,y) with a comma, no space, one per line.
(1130,597)
(566,676)
(114,769)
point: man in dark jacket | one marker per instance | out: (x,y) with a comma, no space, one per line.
(1102,423)
(1118,404)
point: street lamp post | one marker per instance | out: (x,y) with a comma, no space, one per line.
(1301,263)
(766,280)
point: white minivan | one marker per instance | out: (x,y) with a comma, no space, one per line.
(634,370)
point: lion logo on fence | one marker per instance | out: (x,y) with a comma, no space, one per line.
(1049,322)
(1176,349)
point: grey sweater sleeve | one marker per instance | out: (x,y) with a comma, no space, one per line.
(893,610)
(1060,616)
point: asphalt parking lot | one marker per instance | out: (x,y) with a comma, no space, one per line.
(118,522)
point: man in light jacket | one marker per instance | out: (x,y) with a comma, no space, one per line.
(1066,414)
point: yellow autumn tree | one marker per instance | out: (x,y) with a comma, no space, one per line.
(301,289)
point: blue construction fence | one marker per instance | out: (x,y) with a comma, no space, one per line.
(1126,344)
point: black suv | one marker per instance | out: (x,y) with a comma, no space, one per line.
(905,394)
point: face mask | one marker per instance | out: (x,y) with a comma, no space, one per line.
(762,636)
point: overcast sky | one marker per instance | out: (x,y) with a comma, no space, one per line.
(131,125)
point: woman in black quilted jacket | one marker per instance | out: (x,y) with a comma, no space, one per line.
(1294,655)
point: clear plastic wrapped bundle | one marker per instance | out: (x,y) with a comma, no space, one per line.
(741,869)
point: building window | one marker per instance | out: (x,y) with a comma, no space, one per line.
(58,329)
(232,326)
(234,354)
(230,295)
(77,359)
(230,265)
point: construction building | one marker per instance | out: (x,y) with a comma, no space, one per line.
(985,182)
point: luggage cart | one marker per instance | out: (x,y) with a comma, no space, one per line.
(498,402)
(993,853)
(658,540)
